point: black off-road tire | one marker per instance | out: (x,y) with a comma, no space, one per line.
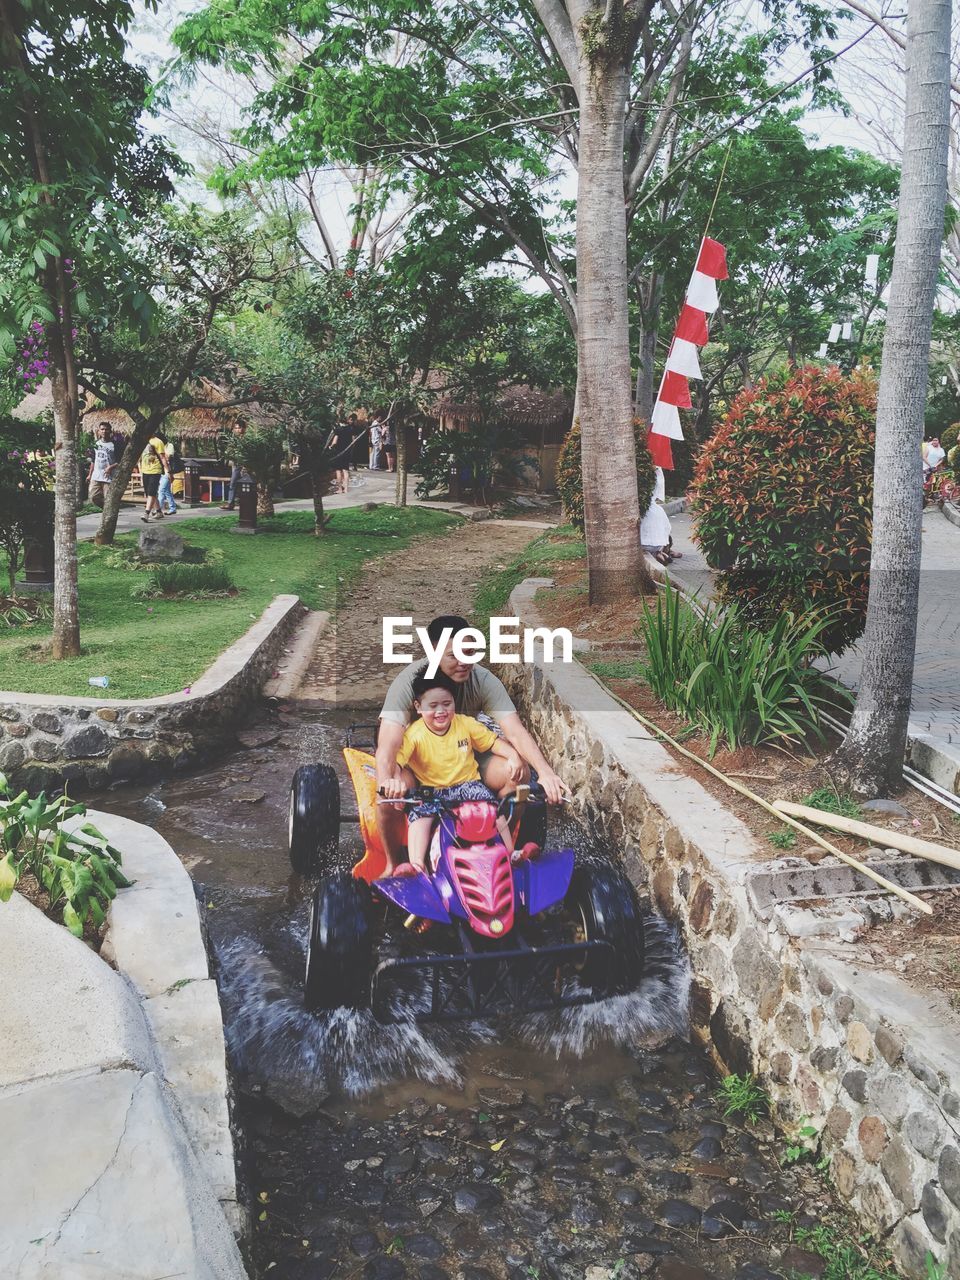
(340,945)
(606,902)
(314,824)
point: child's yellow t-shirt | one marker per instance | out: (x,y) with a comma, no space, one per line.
(445,760)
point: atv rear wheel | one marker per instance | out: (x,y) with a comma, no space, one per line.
(314,826)
(607,905)
(339,945)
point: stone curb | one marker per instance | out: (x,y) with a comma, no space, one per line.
(303,644)
(117,1156)
(872,1065)
(154,939)
(952,512)
(48,739)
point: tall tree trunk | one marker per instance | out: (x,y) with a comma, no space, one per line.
(611,505)
(59,333)
(872,751)
(66,596)
(143,429)
(400,499)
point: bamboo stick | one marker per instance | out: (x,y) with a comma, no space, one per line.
(814,836)
(894,839)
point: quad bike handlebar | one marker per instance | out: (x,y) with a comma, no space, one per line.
(523,794)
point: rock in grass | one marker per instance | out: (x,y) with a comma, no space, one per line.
(159,543)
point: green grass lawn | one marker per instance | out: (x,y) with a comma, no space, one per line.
(147,647)
(534,561)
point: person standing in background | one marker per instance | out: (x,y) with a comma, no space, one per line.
(171,465)
(102,465)
(235,472)
(340,447)
(389,435)
(376,442)
(152,462)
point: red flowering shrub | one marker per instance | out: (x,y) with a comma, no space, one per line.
(784,495)
(570,473)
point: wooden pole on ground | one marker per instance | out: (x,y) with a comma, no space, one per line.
(814,836)
(894,839)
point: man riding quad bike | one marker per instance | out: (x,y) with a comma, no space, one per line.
(486,931)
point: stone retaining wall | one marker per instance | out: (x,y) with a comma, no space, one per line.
(875,1068)
(46,739)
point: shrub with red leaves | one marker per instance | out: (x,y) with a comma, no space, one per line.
(784,496)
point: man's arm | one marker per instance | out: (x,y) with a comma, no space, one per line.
(519,737)
(389,776)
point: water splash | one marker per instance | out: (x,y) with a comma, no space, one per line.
(301,1058)
(656,1010)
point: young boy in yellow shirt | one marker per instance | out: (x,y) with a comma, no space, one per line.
(438,751)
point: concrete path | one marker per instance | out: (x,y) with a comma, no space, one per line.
(935,714)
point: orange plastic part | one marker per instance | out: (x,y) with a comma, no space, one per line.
(363,775)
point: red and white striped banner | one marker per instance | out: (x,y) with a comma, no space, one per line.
(683,362)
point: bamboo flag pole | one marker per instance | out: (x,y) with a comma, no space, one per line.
(882,881)
(894,839)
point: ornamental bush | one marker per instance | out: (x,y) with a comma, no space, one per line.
(784,494)
(949,437)
(570,473)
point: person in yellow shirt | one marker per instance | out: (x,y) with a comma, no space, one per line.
(152,466)
(438,751)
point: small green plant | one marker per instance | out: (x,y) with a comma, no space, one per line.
(743,1096)
(739,684)
(935,1270)
(805,1144)
(72,862)
(831,801)
(188,581)
(785,838)
(846,1258)
(615,669)
(24,613)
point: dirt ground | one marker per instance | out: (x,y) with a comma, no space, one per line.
(434,575)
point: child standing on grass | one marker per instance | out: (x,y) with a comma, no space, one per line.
(438,751)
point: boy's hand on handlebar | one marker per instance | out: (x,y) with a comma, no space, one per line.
(554,788)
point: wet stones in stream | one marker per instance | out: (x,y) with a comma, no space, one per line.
(609,1183)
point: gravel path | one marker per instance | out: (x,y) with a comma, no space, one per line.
(434,575)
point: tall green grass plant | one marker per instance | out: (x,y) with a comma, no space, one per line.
(739,685)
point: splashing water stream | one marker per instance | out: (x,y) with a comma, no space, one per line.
(463,1142)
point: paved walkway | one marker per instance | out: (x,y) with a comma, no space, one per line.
(365,486)
(936,694)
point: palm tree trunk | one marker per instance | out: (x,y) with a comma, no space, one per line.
(611,506)
(872,751)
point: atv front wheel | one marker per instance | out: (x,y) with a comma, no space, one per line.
(606,903)
(339,945)
(314,825)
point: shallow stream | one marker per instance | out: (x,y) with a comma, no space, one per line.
(539,1146)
